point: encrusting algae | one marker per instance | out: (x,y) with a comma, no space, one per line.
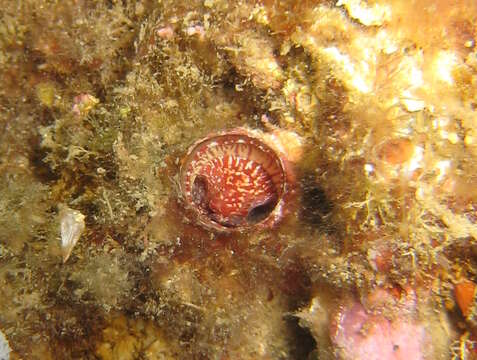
(371,103)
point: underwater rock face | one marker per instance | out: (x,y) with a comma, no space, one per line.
(334,154)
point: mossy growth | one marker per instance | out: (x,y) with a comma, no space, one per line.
(100,102)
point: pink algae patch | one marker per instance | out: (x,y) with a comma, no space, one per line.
(360,335)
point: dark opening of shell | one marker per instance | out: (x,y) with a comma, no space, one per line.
(261,211)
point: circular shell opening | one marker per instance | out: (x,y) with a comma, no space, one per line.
(233,181)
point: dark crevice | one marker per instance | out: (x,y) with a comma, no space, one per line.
(316,207)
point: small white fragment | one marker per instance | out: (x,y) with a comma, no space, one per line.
(369,168)
(444,64)
(368,15)
(443,166)
(71,227)
(415,162)
(4,347)
(354,72)
(196,30)
(413,105)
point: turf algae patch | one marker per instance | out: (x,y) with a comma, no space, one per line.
(99,103)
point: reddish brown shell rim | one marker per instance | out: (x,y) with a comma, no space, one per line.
(245,136)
